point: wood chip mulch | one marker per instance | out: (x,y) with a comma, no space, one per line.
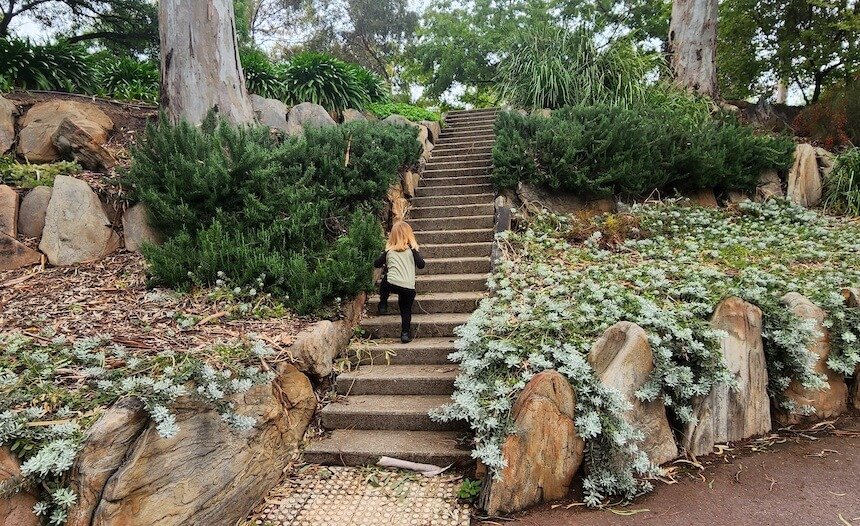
(110,297)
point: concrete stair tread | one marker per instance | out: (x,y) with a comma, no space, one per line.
(416,223)
(397,345)
(451,277)
(417,319)
(387,404)
(381,372)
(365,447)
(428,351)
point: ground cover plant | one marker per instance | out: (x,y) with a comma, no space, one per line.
(411,112)
(298,216)
(564,280)
(51,393)
(600,151)
(26,175)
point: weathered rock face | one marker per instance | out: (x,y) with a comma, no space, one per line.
(15,255)
(73,141)
(545,451)
(804,179)
(434,128)
(410,181)
(270,112)
(704,198)
(8,211)
(350,115)
(16,510)
(769,186)
(8,111)
(852,297)
(76,227)
(106,445)
(562,202)
(734,197)
(398,120)
(826,161)
(40,124)
(827,403)
(314,349)
(426,143)
(208,474)
(622,360)
(136,229)
(728,415)
(398,204)
(31,216)
(307,114)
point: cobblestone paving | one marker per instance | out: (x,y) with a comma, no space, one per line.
(338,496)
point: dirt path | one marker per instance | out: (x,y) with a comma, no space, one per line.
(798,482)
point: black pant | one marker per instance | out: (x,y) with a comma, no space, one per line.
(405,298)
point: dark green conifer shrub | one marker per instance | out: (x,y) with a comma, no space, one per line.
(301,214)
(598,151)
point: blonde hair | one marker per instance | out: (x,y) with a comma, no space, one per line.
(401,237)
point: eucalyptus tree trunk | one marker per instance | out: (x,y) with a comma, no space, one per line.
(200,67)
(693,45)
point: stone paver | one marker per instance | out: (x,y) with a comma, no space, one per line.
(340,496)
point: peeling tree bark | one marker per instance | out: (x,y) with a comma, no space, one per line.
(693,45)
(200,67)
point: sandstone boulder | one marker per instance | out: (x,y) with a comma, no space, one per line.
(736,196)
(563,202)
(804,179)
(703,198)
(31,216)
(15,255)
(852,297)
(315,348)
(729,415)
(398,204)
(623,361)
(74,142)
(546,113)
(544,452)
(136,229)
(15,510)
(40,124)
(350,115)
(8,211)
(410,182)
(208,474)
(398,120)
(769,186)
(830,402)
(270,112)
(826,161)
(434,128)
(8,112)
(307,114)
(76,227)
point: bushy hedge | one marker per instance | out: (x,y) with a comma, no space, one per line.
(834,121)
(301,215)
(599,151)
(411,112)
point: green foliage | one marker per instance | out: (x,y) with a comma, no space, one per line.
(600,151)
(563,281)
(297,217)
(469,490)
(60,66)
(842,186)
(32,175)
(263,77)
(548,66)
(411,112)
(324,80)
(834,121)
(373,85)
(126,78)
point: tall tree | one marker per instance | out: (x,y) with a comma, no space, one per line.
(693,45)
(200,68)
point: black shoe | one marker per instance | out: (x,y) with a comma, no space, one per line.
(405,337)
(382,309)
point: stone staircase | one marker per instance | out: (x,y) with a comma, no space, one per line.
(388,396)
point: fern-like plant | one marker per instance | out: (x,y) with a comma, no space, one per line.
(324,80)
(126,78)
(842,186)
(377,91)
(60,66)
(263,77)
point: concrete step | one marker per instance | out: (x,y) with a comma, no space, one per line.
(455,150)
(471,121)
(468,131)
(423,326)
(450,283)
(454,157)
(365,447)
(420,212)
(465,145)
(407,413)
(453,223)
(398,380)
(453,200)
(433,173)
(466,235)
(466,138)
(431,191)
(454,179)
(433,303)
(470,113)
(457,250)
(479,161)
(427,351)
(456,265)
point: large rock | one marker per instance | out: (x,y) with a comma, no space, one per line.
(397,202)
(136,229)
(73,141)
(105,448)
(826,161)
(410,181)
(398,120)
(728,415)
(562,202)
(829,402)
(804,179)
(76,227)
(208,474)
(315,348)
(15,255)
(40,124)
(8,111)
(544,452)
(8,211)
(623,361)
(769,186)
(15,510)
(434,128)
(703,198)
(34,206)
(307,114)
(271,112)
(852,297)
(350,115)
